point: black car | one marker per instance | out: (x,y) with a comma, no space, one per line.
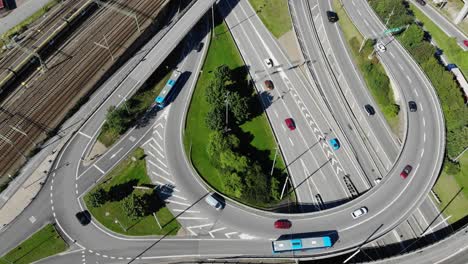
(421,2)
(200,46)
(413,107)
(332,16)
(84,217)
(369,109)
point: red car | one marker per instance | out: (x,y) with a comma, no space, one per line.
(269,85)
(406,171)
(465,42)
(290,123)
(283,224)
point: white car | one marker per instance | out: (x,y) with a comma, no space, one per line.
(269,62)
(359,212)
(380,47)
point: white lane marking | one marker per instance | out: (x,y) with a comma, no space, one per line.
(99,169)
(157,175)
(157,144)
(216,230)
(228,235)
(314,7)
(409,79)
(416,92)
(441,222)
(395,234)
(424,122)
(132,138)
(83,134)
(160,161)
(391,54)
(174,195)
(198,227)
(185,211)
(151,153)
(422,153)
(401,66)
(115,154)
(191,218)
(451,255)
(154,164)
(420,105)
(424,137)
(157,133)
(291,141)
(276,113)
(365,22)
(179,203)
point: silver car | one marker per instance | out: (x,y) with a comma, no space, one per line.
(359,212)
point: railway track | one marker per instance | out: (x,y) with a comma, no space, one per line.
(38,38)
(37,108)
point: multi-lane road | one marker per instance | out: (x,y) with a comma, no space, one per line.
(320,113)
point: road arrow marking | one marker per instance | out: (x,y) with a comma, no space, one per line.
(338,169)
(246,236)
(216,230)
(228,235)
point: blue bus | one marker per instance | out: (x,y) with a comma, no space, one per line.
(283,245)
(165,96)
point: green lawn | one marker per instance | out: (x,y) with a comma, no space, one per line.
(137,104)
(44,243)
(123,177)
(222,51)
(447,186)
(451,49)
(274,14)
(31,19)
(354,39)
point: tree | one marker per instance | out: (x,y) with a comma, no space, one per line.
(234,185)
(231,161)
(239,107)
(215,94)
(257,187)
(275,188)
(413,36)
(215,118)
(223,74)
(98,197)
(133,206)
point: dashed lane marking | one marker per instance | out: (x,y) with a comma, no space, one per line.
(185,211)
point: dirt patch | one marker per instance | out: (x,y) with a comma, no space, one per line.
(97,150)
(289,43)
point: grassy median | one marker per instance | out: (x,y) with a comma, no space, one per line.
(255,134)
(454,198)
(44,243)
(274,14)
(373,72)
(119,185)
(449,46)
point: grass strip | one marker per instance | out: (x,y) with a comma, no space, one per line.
(373,72)
(121,180)
(223,50)
(274,15)
(44,243)
(448,45)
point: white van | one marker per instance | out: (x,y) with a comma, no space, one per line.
(211,200)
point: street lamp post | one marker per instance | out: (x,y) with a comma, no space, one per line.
(125,103)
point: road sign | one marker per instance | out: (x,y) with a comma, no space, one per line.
(393,30)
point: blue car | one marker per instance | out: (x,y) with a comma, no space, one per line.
(334,143)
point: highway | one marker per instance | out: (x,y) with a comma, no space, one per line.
(309,17)
(442,22)
(292,97)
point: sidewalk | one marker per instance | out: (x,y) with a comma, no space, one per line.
(25,193)
(19,14)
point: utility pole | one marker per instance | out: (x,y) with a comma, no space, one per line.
(124,102)
(227,111)
(389,16)
(274,160)
(105,47)
(13,145)
(362,44)
(22,133)
(212,20)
